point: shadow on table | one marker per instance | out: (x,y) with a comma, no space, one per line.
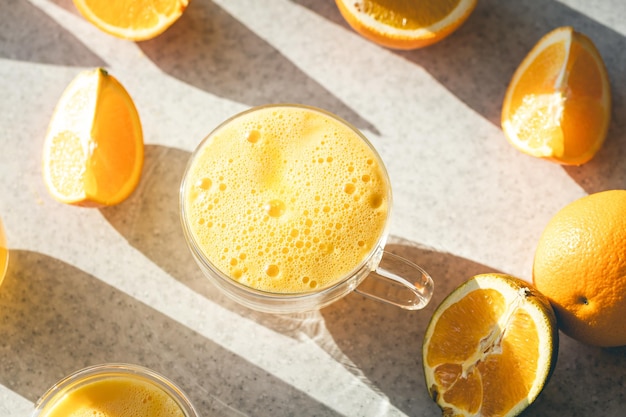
(28,34)
(213,51)
(587,381)
(378,343)
(57,319)
(477,62)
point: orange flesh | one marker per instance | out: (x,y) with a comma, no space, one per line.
(584,111)
(113,160)
(403,14)
(558,101)
(134,14)
(480,367)
(94,147)
(67,164)
(541,75)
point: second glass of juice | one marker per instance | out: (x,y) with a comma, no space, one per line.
(114,390)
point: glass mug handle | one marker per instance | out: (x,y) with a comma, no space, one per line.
(399,282)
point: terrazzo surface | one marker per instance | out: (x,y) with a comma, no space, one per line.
(87,286)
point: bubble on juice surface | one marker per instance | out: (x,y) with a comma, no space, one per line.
(254,136)
(309,198)
(272,270)
(275,208)
(376,200)
(204,183)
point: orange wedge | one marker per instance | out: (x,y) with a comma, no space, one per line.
(558,104)
(401,24)
(93,151)
(490,347)
(136,20)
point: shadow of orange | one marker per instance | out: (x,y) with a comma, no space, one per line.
(211,50)
(28,34)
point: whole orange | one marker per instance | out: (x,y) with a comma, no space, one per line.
(580,265)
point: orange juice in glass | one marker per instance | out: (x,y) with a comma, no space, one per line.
(114,390)
(286,208)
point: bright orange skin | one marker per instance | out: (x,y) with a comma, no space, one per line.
(580,265)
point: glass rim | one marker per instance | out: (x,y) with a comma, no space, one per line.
(114,369)
(282,296)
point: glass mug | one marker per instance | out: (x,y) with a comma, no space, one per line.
(286,209)
(116,389)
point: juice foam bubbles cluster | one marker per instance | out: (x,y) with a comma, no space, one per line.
(286,199)
(119,396)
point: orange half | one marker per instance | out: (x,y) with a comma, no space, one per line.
(558,103)
(401,24)
(93,151)
(490,347)
(132,19)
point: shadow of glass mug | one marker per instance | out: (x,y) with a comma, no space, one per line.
(274,172)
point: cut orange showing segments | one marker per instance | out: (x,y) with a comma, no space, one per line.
(490,347)
(136,20)
(400,24)
(558,103)
(93,150)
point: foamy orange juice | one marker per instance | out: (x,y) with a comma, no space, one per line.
(117,390)
(284,201)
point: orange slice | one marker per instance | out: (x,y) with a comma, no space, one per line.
(558,103)
(490,347)
(132,19)
(402,24)
(93,151)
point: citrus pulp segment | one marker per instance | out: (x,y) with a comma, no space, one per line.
(93,150)
(490,347)
(558,103)
(405,25)
(132,19)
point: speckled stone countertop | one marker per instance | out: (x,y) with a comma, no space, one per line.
(86,286)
